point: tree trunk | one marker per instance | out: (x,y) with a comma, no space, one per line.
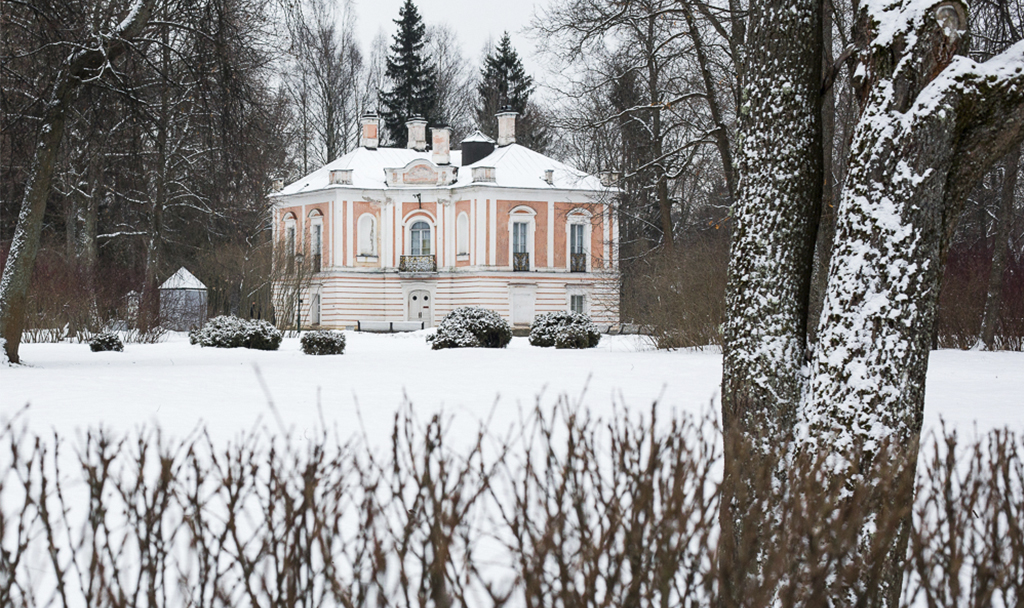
(25,246)
(21,260)
(721,129)
(769,267)
(994,297)
(933,124)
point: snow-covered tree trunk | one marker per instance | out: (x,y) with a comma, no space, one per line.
(933,123)
(770,263)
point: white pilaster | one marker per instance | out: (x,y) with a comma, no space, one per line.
(607,238)
(551,234)
(493,232)
(349,211)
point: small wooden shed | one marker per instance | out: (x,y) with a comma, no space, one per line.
(182,301)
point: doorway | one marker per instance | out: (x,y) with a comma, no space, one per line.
(421,307)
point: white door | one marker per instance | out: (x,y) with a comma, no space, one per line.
(522,307)
(314,309)
(420,307)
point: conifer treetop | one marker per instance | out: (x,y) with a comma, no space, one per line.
(411,76)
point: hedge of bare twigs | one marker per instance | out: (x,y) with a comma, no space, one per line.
(565,511)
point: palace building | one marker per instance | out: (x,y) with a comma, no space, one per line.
(404,235)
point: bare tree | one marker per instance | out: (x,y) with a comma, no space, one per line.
(89,52)
(327,66)
(454,79)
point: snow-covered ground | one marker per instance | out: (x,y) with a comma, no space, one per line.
(179,386)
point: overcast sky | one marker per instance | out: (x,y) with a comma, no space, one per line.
(475,21)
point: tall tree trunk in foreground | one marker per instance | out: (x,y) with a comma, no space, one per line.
(933,123)
(770,263)
(994,295)
(80,65)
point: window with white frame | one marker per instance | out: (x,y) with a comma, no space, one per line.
(314,309)
(576,238)
(462,234)
(578,303)
(521,235)
(289,243)
(367,235)
(316,237)
(420,238)
(578,226)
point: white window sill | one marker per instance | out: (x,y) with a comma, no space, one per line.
(366,258)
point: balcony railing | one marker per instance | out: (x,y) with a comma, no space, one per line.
(417,263)
(578,262)
(316,262)
(521,262)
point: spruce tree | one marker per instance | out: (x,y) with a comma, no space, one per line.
(504,82)
(411,78)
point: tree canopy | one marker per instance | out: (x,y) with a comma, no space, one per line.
(411,76)
(504,82)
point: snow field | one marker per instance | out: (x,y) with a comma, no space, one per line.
(177,387)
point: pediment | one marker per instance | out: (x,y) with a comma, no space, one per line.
(420,172)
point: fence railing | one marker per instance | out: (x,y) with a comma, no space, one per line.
(521,262)
(417,263)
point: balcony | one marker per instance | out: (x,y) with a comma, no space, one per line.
(521,262)
(578,262)
(417,263)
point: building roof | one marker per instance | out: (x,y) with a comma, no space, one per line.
(478,137)
(515,167)
(183,279)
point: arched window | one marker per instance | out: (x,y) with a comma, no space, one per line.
(462,234)
(578,224)
(420,233)
(316,239)
(522,227)
(289,242)
(367,235)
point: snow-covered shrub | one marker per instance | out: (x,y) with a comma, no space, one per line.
(263,336)
(572,336)
(323,343)
(470,327)
(546,327)
(105,341)
(232,332)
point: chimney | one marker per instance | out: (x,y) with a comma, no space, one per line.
(441,146)
(368,132)
(476,147)
(417,134)
(277,185)
(549,176)
(507,126)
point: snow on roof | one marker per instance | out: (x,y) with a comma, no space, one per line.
(183,279)
(515,167)
(478,136)
(520,167)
